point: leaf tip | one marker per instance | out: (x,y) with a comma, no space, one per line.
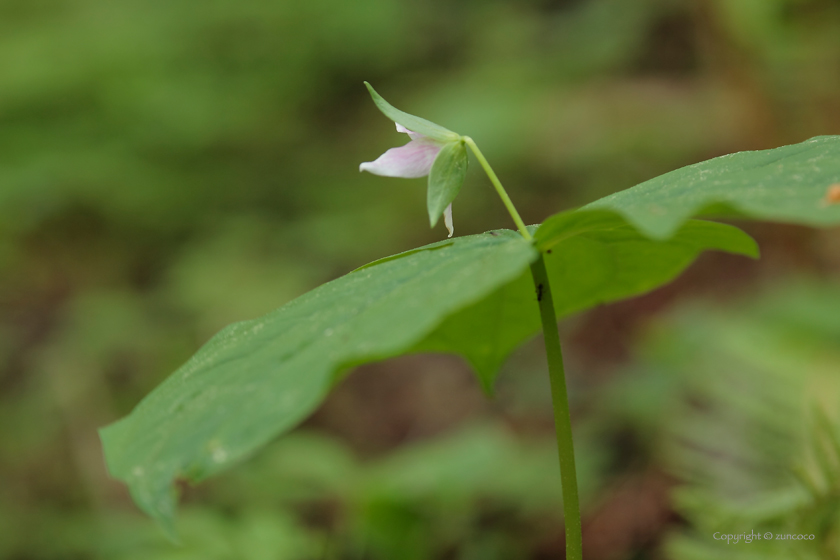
(488,388)
(160,506)
(378,100)
(753,251)
(433,217)
(169,531)
(486,372)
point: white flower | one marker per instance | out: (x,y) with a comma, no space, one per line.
(410,161)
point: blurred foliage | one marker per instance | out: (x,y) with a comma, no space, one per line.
(741,406)
(478,493)
(169,167)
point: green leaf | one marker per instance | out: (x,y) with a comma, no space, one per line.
(788,184)
(471,296)
(590,266)
(601,266)
(258,378)
(415,124)
(486,332)
(446,178)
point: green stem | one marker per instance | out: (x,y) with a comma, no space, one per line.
(499,188)
(556,373)
(562,419)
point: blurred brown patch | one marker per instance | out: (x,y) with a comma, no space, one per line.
(380,406)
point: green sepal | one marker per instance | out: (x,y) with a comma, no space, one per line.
(446,178)
(415,124)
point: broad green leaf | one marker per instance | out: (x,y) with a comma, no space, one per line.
(564,225)
(608,265)
(415,124)
(446,178)
(597,258)
(795,184)
(486,332)
(258,378)
(471,296)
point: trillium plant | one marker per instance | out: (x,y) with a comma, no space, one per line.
(478,296)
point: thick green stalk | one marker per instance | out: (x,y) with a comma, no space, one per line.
(499,188)
(556,373)
(562,418)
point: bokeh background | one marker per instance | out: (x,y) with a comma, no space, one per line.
(169,167)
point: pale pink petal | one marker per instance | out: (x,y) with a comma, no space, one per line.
(447,220)
(410,161)
(413,135)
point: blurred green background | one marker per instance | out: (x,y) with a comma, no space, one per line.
(169,167)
